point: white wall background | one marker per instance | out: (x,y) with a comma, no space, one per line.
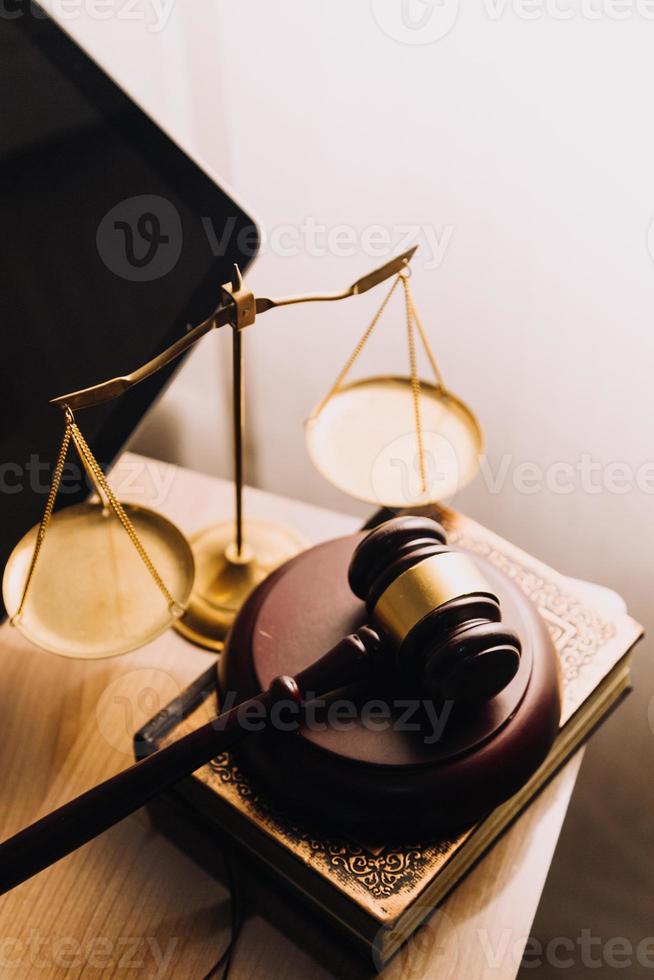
(528,141)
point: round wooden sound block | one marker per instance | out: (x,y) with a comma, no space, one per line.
(378,757)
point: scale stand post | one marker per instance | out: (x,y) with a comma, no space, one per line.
(232,557)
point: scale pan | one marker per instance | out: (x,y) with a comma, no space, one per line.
(363,440)
(91,595)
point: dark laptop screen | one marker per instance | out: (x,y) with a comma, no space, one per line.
(111,242)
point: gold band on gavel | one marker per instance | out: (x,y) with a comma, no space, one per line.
(424,587)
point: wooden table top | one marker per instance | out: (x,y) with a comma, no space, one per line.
(131,903)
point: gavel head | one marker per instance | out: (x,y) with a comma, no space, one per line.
(432,605)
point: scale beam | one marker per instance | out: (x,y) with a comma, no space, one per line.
(360,286)
(226,313)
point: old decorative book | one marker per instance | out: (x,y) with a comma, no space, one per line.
(379,892)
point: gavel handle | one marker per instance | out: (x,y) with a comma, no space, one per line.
(77,822)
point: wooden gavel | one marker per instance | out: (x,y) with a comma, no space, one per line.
(431,616)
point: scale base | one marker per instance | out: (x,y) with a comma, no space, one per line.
(223,580)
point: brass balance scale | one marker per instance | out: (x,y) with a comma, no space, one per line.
(112,576)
